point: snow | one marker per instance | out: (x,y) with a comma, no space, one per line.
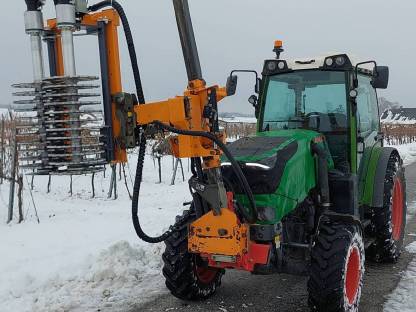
(239,119)
(403,299)
(84,255)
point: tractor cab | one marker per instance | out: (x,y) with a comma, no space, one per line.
(331,95)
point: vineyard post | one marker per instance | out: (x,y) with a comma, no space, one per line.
(13,173)
(20,197)
(175,169)
(159,168)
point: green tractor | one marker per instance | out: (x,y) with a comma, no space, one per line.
(328,194)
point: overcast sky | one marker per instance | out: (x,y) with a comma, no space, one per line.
(235,34)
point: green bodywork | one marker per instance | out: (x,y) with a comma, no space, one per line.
(299,175)
(367,174)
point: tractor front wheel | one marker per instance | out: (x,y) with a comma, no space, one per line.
(188,277)
(337,269)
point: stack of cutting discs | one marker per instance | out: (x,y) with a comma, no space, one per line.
(56,131)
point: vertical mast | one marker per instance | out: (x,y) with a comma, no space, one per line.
(186,34)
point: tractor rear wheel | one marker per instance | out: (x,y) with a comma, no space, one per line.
(389,221)
(337,269)
(188,277)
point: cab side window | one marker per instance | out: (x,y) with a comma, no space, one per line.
(368,116)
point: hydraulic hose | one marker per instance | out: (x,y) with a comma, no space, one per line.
(130,42)
(135,200)
(250,217)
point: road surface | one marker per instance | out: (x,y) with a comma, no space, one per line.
(241,291)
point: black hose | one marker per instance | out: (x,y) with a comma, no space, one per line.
(130,43)
(251,217)
(135,200)
(142,146)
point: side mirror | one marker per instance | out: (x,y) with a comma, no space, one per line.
(257,86)
(231,85)
(253,100)
(232,81)
(380,77)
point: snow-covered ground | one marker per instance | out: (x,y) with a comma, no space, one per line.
(84,255)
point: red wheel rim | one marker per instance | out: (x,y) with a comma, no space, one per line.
(353,275)
(206,274)
(397,210)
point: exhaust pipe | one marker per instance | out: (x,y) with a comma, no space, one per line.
(322,174)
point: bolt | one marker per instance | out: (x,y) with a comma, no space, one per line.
(222,232)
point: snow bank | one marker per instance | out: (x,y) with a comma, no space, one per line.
(110,280)
(84,255)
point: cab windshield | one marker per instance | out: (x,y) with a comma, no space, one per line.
(311,99)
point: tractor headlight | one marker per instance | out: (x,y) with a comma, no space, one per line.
(329,61)
(340,61)
(273,67)
(337,62)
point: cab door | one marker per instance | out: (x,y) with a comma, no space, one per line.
(368,120)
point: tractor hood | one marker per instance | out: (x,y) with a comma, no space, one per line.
(279,167)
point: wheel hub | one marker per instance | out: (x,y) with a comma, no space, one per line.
(353,275)
(397,210)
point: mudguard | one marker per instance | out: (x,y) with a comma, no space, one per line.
(372,174)
(331,217)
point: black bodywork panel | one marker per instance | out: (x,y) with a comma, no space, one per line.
(261,179)
(343,190)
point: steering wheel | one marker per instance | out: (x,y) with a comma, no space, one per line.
(310,117)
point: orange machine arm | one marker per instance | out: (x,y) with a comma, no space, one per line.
(186,113)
